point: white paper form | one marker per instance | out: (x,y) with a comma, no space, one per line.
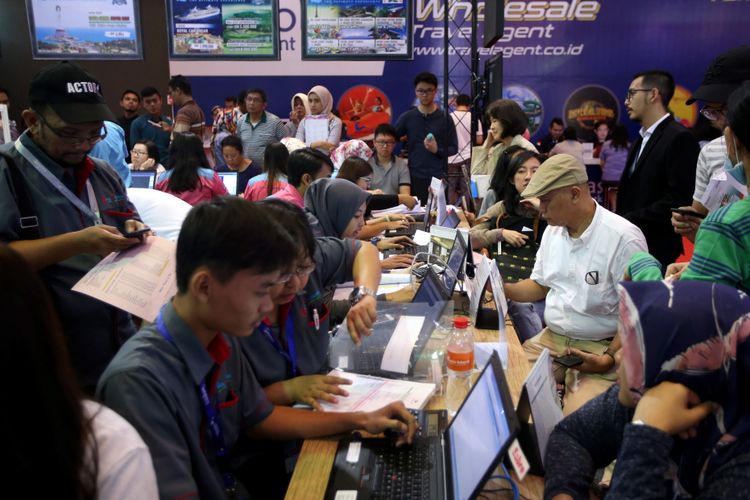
(138,280)
(722,189)
(542,392)
(442,206)
(316,129)
(369,393)
(397,353)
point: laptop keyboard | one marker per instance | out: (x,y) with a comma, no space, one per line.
(403,472)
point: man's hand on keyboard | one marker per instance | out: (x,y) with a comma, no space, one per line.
(394,417)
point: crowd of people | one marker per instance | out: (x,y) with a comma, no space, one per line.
(200,402)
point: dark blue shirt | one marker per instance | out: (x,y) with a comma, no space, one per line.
(141,129)
(416,126)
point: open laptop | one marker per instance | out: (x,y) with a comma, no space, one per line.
(230,181)
(453,462)
(421,225)
(454,262)
(142,179)
(430,302)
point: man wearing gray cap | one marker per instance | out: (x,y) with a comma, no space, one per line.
(62,209)
(583,254)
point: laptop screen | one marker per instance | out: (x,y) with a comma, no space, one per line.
(230,181)
(478,434)
(431,290)
(455,260)
(142,179)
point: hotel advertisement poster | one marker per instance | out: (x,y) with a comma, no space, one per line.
(223,29)
(357,29)
(84,29)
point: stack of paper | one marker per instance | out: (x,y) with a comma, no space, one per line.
(369,393)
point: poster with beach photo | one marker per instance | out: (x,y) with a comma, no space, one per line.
(84,29)
(223,29)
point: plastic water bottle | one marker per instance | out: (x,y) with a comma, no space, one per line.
(460,363)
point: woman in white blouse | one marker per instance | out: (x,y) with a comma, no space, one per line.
(321,129)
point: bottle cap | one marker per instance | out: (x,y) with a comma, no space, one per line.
(461,322)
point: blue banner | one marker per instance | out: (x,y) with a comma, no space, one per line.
(572,59)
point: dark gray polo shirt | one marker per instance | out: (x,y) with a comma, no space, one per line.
(153,384)
(334,259)
(93,330)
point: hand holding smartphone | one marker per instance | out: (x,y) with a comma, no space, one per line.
(689,212)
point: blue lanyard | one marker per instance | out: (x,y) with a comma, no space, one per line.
(289,355)
(212,417)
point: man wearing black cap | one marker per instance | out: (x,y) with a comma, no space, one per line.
(63,210)
(725,74)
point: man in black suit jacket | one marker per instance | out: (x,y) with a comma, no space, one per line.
(660,171)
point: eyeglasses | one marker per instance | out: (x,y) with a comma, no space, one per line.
(385,143)
(300,272)
(712,114)
(72,139)
(425,91)
(367,180)
(138,153)
(631,93)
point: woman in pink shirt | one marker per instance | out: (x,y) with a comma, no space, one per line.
(187,176)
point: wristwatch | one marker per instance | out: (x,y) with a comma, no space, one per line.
(358,293)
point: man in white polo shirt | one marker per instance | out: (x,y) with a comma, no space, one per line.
(583,254)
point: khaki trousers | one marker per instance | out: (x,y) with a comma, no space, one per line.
(579,387)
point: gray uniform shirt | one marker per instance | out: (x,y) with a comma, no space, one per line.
(391,178)
(334,259)
(153,383)
(93,330)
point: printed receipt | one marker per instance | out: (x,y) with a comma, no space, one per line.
(397,353)
(368,393)
(138,280)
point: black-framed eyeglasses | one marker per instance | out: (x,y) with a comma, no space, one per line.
(367,180)
(631,93)
(712,114)
(72,139)
(385,143)
(425,91)
(300,272)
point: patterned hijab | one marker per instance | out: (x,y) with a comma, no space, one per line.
(334,202)
(325,97)
(350,149)
(694,333)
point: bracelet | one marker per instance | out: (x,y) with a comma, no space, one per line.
(607,353)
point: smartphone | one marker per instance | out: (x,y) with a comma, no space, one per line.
(569,361)
(137,234)
(690,212)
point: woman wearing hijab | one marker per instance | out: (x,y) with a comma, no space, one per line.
(678,422)
(337,208)
(321,129)
(300,109)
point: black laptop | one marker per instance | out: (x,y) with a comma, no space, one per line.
(421,225)
(453,462)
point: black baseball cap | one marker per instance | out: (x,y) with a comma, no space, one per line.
(74,94)
(724,75)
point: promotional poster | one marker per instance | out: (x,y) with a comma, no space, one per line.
(84,29)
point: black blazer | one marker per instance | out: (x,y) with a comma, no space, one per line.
(664,177)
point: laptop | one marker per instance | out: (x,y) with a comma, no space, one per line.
(454,262)
(143,179)
(230,181)
(430,302)
(451,462)
(421,225)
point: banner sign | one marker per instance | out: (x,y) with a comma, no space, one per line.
(84,29)
(573,59)
(223,29)
(356,29)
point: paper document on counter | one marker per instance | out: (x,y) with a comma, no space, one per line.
(369,393)
(138,280)
(397,353)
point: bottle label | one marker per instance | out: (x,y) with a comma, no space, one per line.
(460,361)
